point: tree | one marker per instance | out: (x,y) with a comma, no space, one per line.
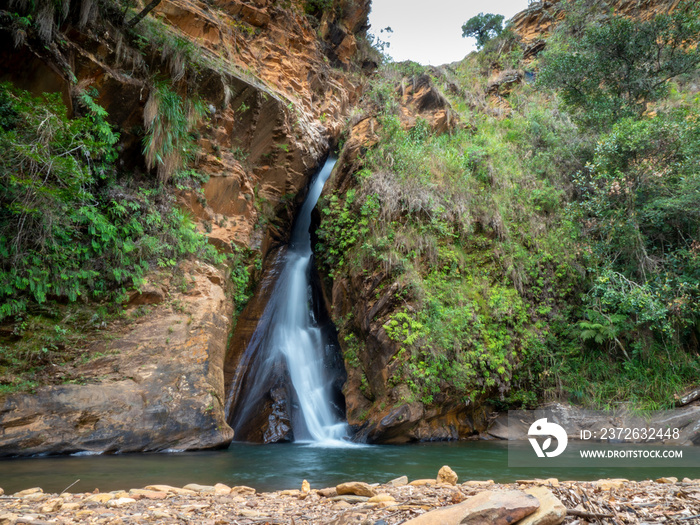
(616,66)
(483,27)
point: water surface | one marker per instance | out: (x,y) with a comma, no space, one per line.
(284,466)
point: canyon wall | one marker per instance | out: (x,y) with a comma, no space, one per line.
(277,84)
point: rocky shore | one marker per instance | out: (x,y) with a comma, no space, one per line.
(441,501)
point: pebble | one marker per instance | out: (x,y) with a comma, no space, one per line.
(389,505)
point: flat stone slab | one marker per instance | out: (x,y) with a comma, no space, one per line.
(492,507)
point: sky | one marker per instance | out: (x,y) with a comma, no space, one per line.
(430,32)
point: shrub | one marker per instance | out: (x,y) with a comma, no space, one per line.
(68,226)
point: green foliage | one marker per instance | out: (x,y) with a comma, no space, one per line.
(483,27)
(442,207)
(68,227)
(169,120)
(617,65)
(243,264)
(317,7)
(641,210)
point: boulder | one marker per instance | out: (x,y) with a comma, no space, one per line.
(447,475)
(492,507)
(222,489)
(399,482)
(27,492)
(551,511)
(329,492)
(159,389)
(356,488)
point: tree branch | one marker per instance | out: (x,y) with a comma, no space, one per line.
(131,23)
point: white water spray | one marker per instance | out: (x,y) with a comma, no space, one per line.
(288,330)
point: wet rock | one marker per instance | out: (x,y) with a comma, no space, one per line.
(551,511)
(447,475)
(494,508)
(327,492)
(358,488)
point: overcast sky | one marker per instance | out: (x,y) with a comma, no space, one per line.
(430,31)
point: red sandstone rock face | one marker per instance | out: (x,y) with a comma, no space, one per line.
(159,385)
(535,22)
(276,105)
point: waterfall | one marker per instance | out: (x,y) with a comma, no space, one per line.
(288,336)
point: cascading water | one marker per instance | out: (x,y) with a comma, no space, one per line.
(288,342)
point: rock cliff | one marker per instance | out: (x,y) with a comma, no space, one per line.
(277,85)
(534,23)
(362,300)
